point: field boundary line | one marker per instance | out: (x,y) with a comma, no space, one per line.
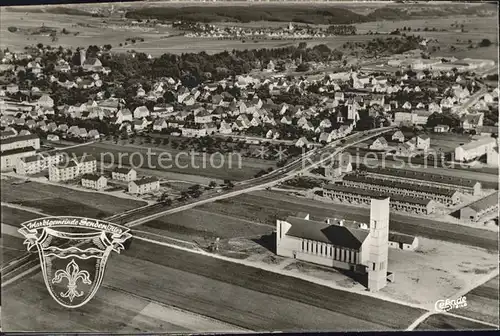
(471,319)
(175,308)
(419,320)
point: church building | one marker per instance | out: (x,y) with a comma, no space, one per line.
(358,248)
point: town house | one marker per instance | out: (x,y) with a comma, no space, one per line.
(144,185)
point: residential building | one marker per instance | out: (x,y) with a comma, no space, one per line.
(355,195)
(10,157)
(340,166)
(94,181)
(475,149)
(144,185)
(20,141)
(124,174)
(444,196)
(422,142)
(402,241)
(492,158)
(472,121)
(441,129)
(419,178)
(398,136)
(479,209)
(71,169)
(379,144)
(37,163)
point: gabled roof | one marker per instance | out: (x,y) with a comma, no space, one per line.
(17,151)
(401,238)
(122,170)
(418,175)
(323,232)
(376,194)
(18,138)
(92,177)
(145,180)
(484,203)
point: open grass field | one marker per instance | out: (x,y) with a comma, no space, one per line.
(482,303)
(60,201)
(238,295)
(448,322)
(273,205)
(200,225)
(11,242)
(111,310)
(91,30)
(181,44)
(475,29)
(11,247)
(212,166)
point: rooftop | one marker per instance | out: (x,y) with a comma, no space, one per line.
(145,180)
(418,175)
(377,194)
(17,151)
(18,138)
(398,184)
(327,233)
(92,177)
(484,203)
(122,170)
(401,238)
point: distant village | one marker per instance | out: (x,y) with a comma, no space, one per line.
(303,32)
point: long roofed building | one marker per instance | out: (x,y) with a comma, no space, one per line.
(424,179)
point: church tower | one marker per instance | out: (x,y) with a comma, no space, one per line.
(379,243)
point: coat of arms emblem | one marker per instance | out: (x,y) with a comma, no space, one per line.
(73,253)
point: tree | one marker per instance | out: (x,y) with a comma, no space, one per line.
(303,67)
(212,184)
(169,97)
(485,43)
(444,118)
(164,199)
(228,184)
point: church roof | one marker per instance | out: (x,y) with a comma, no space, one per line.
(327,233)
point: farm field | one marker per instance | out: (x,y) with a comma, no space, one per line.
(111,310)
(180,44)
(246,297)
(60,201)
(476,29)
(11,241)
(216,166)
(448,322)
(200,226)
(11,246)
(274,205)
(482,303)
(91,30)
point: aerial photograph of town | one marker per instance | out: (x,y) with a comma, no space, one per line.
(238,166)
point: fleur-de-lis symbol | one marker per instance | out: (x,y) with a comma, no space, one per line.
(73,274)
